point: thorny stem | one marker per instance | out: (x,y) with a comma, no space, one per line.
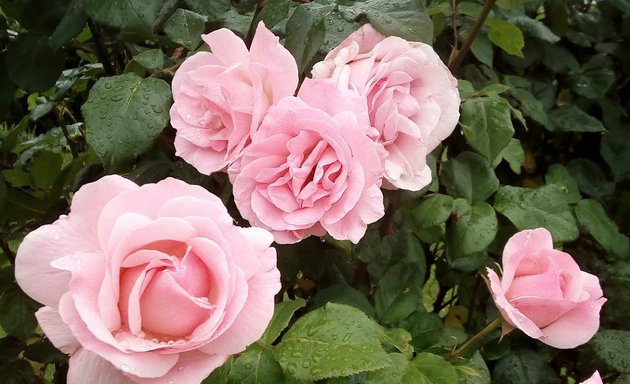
(458,58)
(60,114)
(101,52)
(475,339)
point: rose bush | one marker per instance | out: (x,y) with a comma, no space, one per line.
(149,284)
(412,98)
(311,168)
(544,293)
(220,97)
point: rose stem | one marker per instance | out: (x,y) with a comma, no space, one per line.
(456,61)
(475,339)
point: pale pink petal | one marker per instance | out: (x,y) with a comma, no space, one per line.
(594,379)
(283,72)
(88,367)
(575,327)
(191,368)
(56,330)
(227,47)
(526,243)
(256,313)
(509,313)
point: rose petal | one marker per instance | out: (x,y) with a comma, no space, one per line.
(88,367)
(575,327)
(56,330)
(192,367)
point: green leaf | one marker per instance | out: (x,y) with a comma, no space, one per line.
(572,119)
(131,15)
(282,314)
(593,218)
(472,228)
(559,175)
(591,178)
(185,27)
(404,18)
(214,10)
(434,210)
(473,370)
(541,207)
(481,48)
(534,28)
(342,294)
(124,115)
(425,329)
(150,59)
(336,340)
(256,366)
(487,125)
(611,346)
(221,374)
(17,372)
(274,12)
(46,168)
(469,176)
(71,25)
(615,149)
(594,78)
(392,374)
(398,338)
(3,192)
(509,4)
(430,369)
(32,63)
(305,32)
(514,154)
(17,313)
(524,367)
(506,36)
(399,292)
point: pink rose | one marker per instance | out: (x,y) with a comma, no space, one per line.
(220,98)
(543,292)
(595,379)
(150,284)
(311,168)
(412,98)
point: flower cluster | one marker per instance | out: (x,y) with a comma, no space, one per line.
(313,163)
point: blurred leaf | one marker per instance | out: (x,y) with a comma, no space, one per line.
(469,176)
(336,340)
(256,365)
(124,115)
(46,168)
(185,27)
(282,314)
(615,149)
(611,346)
(592,217)
(506,36)
(524,367)
(32,64)
(472,228)
(431,369)
(131,15)
(541,207)
(17,372)
(487,125)
(71,25)
(399,292)
(392,374)
(221,374)
(425,328)
(150,59)
(534,28)
(37,16)
(594,79)
(482,49)
(559,175)
(590,178)
(3,192)
(573,119)
(17,313)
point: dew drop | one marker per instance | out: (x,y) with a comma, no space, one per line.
(340,29)
(124,368)
(156,108)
